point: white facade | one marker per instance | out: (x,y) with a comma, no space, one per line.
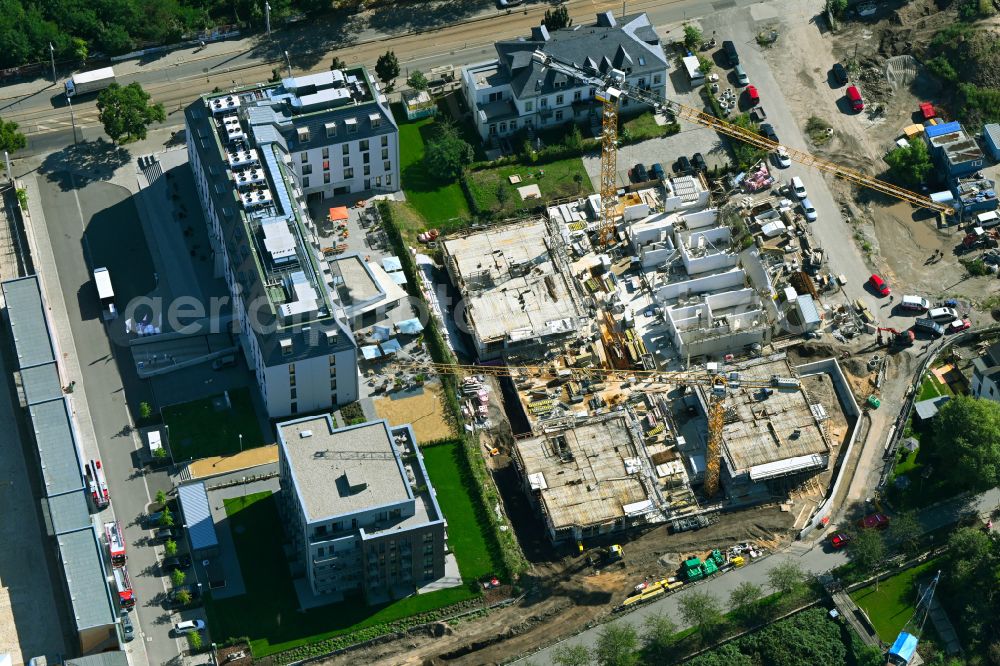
(340,165)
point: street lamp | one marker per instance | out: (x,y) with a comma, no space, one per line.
(289,63)
(52,55)
(267,18)
(241,442)
(72,116)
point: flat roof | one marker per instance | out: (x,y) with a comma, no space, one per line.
(82,562)
(759,430)
(41,383)
(342,471)
(198,515)
(358,285)
(584,478)
(69,512)
(26,314)
(57,452)
(513,287)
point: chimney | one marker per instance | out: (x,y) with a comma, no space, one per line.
(606,19)
(540,34)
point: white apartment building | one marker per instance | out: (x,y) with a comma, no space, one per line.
(513,92)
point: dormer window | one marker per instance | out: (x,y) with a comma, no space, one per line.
(331,129)
(375,119)
(352,125)
(303,134)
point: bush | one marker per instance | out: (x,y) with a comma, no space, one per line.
(177,577)
(195,641)
(942,68)
(22,198)
(170,548)
(145,410)
(975,267)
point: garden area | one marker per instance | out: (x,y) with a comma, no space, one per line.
(268,614)
(891,605)
(492,193)
(212,426)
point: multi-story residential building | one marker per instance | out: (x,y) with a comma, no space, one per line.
(513,91)
(256,154)
(359,508)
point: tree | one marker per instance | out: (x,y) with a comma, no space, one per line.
(557,19)
(657,636)
(166,518)
(125,111)
(745,154)
(10,139)
(745,596)
(160,453)
(338,63)
(314,6)
(705,65)
(787,577)
(571,655)
(78,48)
(692,36)
(617,645)
(177,577)
(905,532)
(161,497)
(417,80)
(387,68)
(838,7)
(194,640)
(447,154)
(701,610)
(170,548)
(867,550)
(183,597)
(911,164)
(966,442)
(573,140)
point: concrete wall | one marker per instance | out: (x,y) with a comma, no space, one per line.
(702,218)
(730,279)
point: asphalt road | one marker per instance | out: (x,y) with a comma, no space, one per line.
(108,377)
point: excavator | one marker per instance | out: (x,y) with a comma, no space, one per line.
(899,338)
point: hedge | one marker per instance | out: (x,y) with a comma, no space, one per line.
(514,561)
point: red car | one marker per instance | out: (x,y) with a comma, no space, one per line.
(839,540)
(875,521)
(879,285)
(855,99)
(959,325)
(753,95)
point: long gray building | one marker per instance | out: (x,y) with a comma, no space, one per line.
(257,154)
(360,509)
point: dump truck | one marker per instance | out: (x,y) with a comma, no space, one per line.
(89,82)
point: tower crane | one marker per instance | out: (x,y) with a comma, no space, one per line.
(649,381)
(611,87)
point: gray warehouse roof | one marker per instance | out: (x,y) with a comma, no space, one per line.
(41,383)
(69,512)
(197,516)
(82,562)
(27,321)
(61,468)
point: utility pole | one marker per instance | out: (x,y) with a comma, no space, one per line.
(52,55)
(267,18)
(289,63)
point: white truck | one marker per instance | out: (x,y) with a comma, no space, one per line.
(88,82)
(102,280)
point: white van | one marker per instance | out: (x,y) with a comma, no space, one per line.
(943,315)
(188,627)
(798,187)
(988,220)
(915,303)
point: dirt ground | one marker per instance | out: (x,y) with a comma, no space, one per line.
(425,412)
(221,464)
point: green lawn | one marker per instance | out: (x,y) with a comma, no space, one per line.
(643,126)
(555,180)
(467,531)
(207,427)
(892,605)
(437,202)
(932,388)
(268,613)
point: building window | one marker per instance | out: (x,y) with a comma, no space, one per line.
(513,125)
(363,145)
(385,153)
(286,349)
(291,369)
(307,169)
(321,530)
(559,100)
(295,407)
(503,127)
(368,170)
(347,160)
(305,182)
(320,551)
(428,537)
(496,96)
(333,360)
(348,173)
(326,165)
(429,549)
(345,148)
(326,153)
(291,380)
(543,103)
(378,181)
(656,79)
(529,106)
(493,130)
(559,115)
(333,384)
(428,561)
(331,129)
(577,95)
(642,82)
(387,166)
(388,179)
(304,157)
(385,140)
(326,178)
(366,158)
(294,394)
(428,573)
(352,125)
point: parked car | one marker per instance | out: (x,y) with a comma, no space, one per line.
(874,521)
(639,174)
(172,602)
(698,162)
(808,210)
(839,540)
(177,563)
(741,76)
(840,74)
(781,157)
(879,285)
(943,315)
(915,303)
(731,55)
(127,629)
(753,96)
(959,325)
(153,519)
(683,165)
(188,627)
(507,4)
(767,129)
(657,170)
(854,97)
(929,326)
(797,187)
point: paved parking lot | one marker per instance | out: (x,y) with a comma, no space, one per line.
(665,150)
